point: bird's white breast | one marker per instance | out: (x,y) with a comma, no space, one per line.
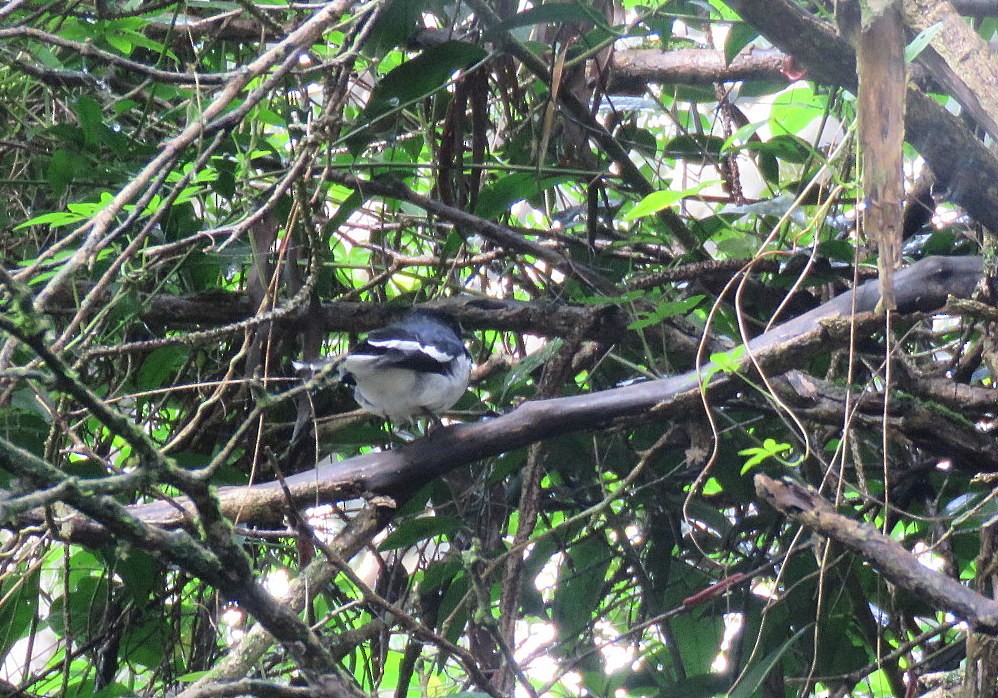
(400,394)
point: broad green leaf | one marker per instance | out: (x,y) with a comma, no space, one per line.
(757,454)
(497,198)
(739,36)
(752,679)
(657,200)
(415,530)
(90,117)
(580,585)
(56,219)
(724,362)
(421,76)
(396,22)
(62,166)
(699,634)
(19,608)
(522,371)
(555,13)
(345,210)
(699,148)
(741,136)
(137,569)
(160,365)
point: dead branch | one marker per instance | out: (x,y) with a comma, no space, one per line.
(897,565)
(924,286)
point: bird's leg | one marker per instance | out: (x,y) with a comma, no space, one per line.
(435,422)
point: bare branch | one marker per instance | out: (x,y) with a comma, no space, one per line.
(896,564)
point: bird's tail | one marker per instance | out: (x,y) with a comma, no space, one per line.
(317,375)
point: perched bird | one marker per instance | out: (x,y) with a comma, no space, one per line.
(412,368)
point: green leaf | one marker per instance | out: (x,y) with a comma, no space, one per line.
(786,147)
(555,13)
(497,198)
(87,607)
(666,310)
(739,36)
(395,23)
(421,76)
(770,449)
(580,585)
(120,41)
(60,171)
(757,673)
(921,41)
(90,117)
(638,139)
(703,149)
(657,200)
(724,362)
(345,210)
(741,136)
(17,613)
(137,569)
(56,219)
(699,635)
(160,365)
(419,529)
(520,373)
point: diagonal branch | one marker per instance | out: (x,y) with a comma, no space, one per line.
(924,286)
(897,565)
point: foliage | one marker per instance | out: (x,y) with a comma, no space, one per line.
(198,194)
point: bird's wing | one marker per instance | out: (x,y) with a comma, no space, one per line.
(400,353)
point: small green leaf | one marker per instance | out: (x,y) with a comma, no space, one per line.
(921,41)
(520,373)
(770,449)
(712,486)
(580,585)
(724,362)
(741,136)
(56,219)
(161,363)
(395,23)
(346,209)
(60,171)
(90,117)
(699,148)
(421,76)
(666,310)
(497,198)
(191,677)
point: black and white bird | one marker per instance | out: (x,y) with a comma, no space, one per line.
(416,367)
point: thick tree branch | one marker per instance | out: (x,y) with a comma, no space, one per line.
(924,287)
(633,69)
(897,565)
